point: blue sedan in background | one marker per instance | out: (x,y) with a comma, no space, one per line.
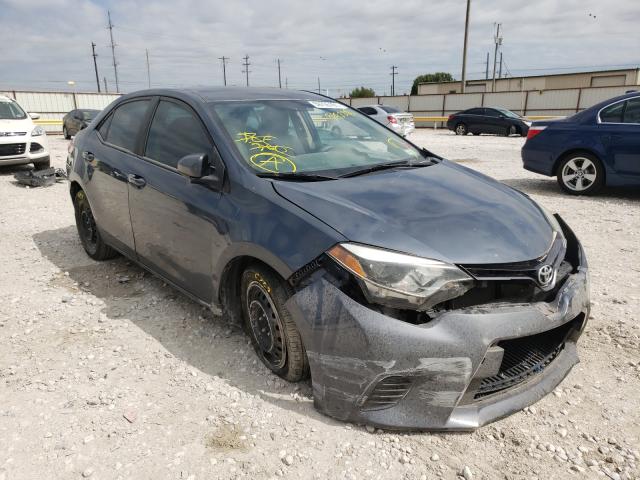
(596,147)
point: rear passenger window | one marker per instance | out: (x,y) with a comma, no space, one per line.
(125,124)
(632,112)
(475,111)
(175,132)
(368,110)
(612,113)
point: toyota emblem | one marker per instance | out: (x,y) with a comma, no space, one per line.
(545,275)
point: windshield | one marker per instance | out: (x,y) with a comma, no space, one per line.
(508,113)
(299,136)
(10,110)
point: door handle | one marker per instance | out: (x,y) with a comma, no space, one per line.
(136,180)
(88,156)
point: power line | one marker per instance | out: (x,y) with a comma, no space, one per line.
(246,68)
(113,51)
(95,64)
(224,68)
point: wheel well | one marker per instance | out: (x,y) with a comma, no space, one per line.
(74,189)
(229,287)
(573,152)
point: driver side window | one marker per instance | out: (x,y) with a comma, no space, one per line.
(175,132)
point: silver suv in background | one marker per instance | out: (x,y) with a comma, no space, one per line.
(391,117)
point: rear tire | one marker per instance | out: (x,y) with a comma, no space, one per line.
(580,174)
(88,230)
(461,129)
(269,324)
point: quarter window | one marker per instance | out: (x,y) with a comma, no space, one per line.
(612,113)
(632,111)
(125,123)
(175,132)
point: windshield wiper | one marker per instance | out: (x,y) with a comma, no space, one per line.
(386,166)
(301,177)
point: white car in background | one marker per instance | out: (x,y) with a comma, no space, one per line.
(21,141)
(391,117)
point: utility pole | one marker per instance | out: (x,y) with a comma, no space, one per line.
(318,84)
(224,68)
(246,67)
(279,75)
(286,82)
(498,41)
(106,90)
(486,75)
(464,48)
(393,79)
(148,70)
(500,71)
(95,64)
(113,52)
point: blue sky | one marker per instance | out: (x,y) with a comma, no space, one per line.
(46,43)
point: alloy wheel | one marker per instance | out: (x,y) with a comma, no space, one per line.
(578,174)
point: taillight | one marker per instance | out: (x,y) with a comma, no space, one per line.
(450,117)
(392,119)
(533,131)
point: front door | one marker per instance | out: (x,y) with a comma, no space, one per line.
(174,220)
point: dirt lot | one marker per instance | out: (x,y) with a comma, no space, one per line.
(107,373)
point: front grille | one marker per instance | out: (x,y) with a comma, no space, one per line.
(388,392)
(525,357)
(9,149)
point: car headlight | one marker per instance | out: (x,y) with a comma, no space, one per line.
(399,280)
(36,132)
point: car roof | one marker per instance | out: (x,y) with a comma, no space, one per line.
(227,94)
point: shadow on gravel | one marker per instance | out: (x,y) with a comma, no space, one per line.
(186,329)
(11,169)
(549,186)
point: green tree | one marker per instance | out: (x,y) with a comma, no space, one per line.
(362,92)
(430,77)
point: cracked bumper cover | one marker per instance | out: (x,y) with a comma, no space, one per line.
(351,348)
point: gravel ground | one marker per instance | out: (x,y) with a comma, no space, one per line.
(105,372)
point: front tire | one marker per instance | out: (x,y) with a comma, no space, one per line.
(88,230)
(461,129)
(580,174)
(269,323)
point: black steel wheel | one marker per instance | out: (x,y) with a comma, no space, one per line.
(269,324)
(88,230)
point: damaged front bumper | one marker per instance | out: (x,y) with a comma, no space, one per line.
(461,370)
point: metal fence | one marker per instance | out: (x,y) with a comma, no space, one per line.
(52,106)
(430,109)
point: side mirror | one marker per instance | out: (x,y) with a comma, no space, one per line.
(200,170)
(193,165)
(34,116)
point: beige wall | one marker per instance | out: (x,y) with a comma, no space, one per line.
(550,82)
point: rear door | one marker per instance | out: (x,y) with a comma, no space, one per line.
(495,121)
(109,156)
(620,134)
(473,119)
(174,220)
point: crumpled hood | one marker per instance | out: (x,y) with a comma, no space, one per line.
(445,211)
